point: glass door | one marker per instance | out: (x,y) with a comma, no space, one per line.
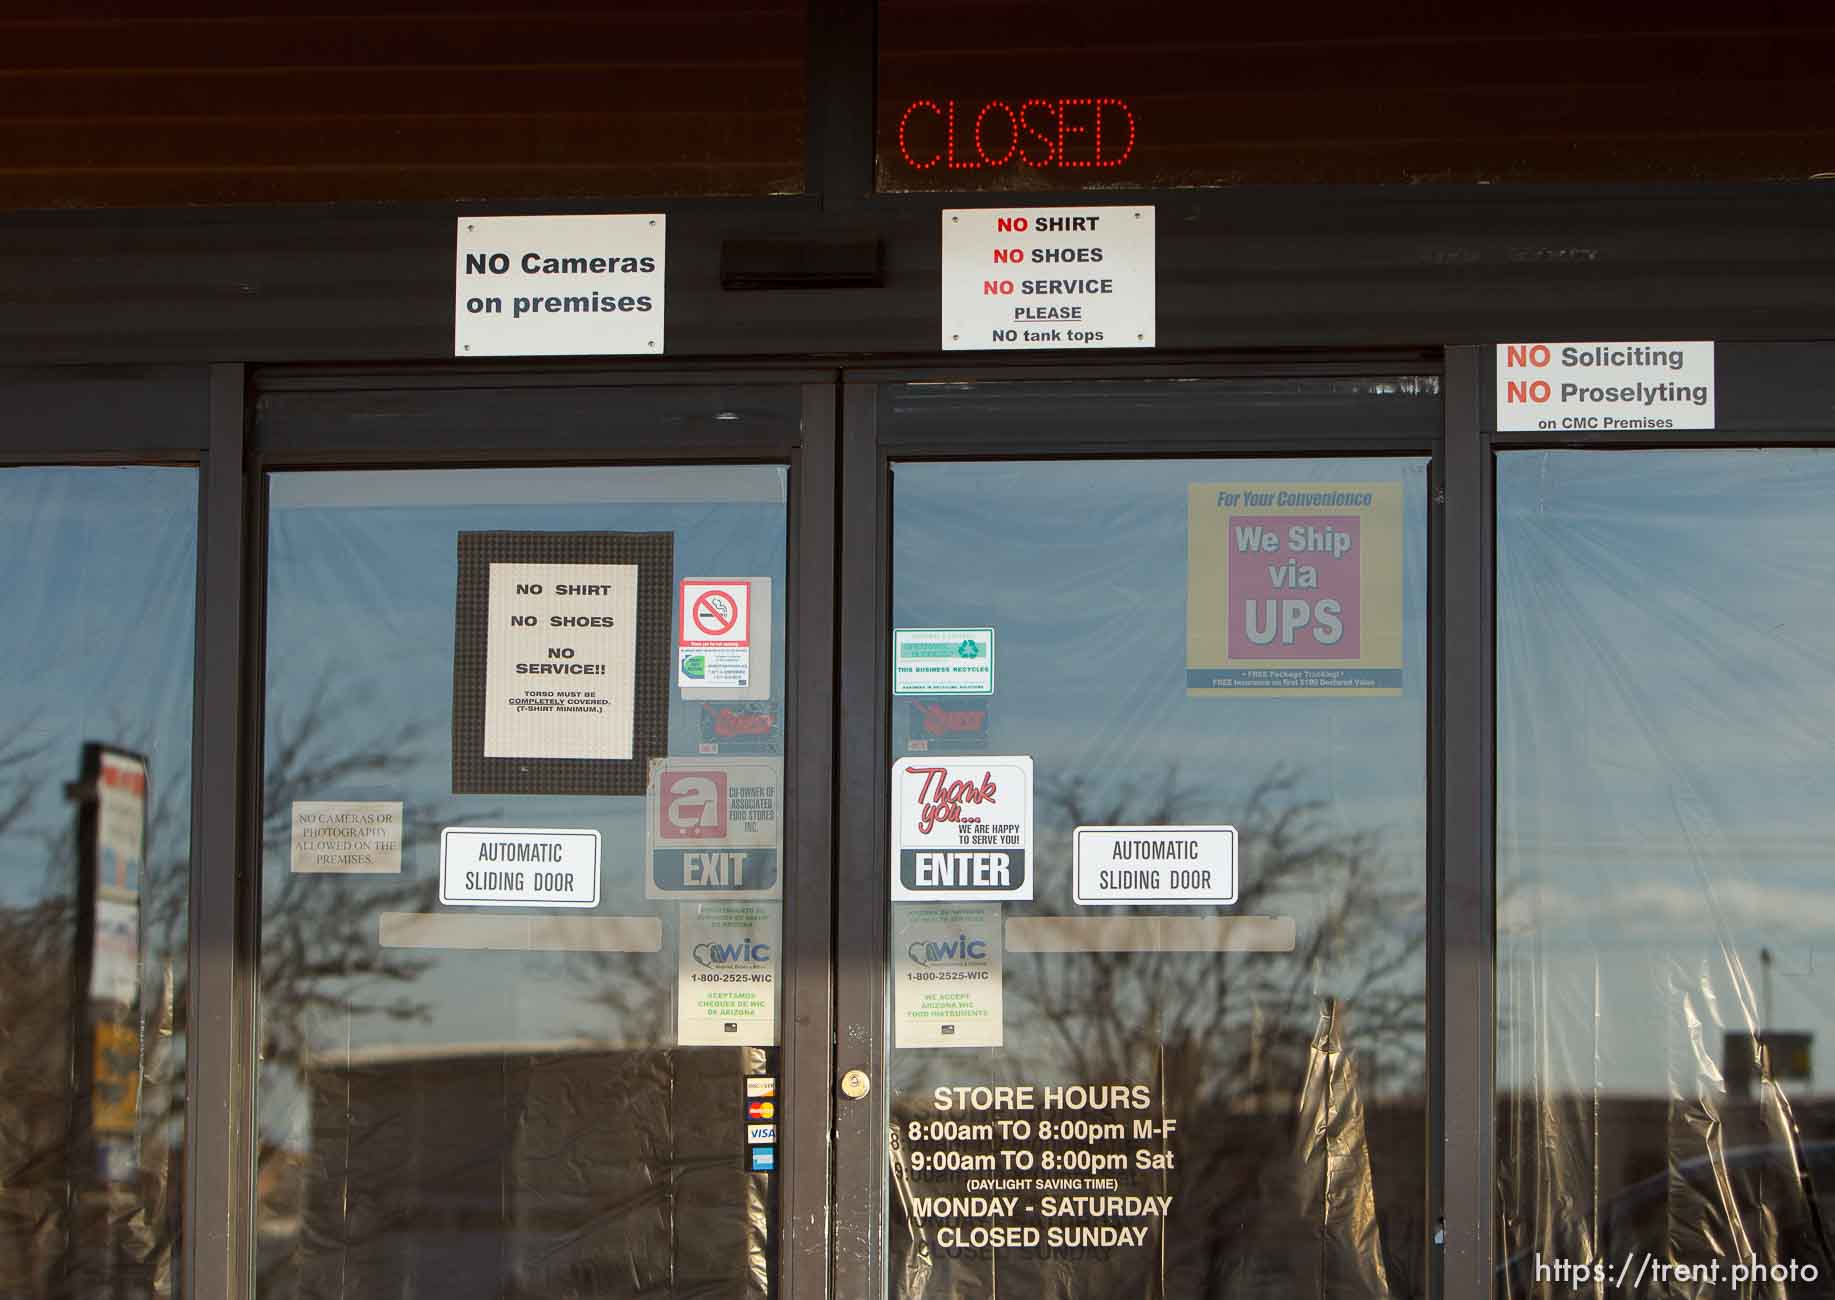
(526,943)
(1155,859)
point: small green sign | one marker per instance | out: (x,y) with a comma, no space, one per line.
(943,661)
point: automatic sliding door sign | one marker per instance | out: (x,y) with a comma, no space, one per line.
(1154,866)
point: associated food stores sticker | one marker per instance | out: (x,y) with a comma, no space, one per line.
(962,829)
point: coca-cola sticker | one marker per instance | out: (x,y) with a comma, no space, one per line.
(962,827)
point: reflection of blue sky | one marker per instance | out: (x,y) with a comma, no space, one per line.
(1665,804)
(1081,568)
(361,574)
(97,641)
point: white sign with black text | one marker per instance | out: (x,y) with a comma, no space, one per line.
(962,828)
(559,286)
(509,866)
(560,661)
(1021,278)
(1149,866)
(1557,386)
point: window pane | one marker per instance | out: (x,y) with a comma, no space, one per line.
(1664,898)
(1287,1052)
(462,1101)
(95,853)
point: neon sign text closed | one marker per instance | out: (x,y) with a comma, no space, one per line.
(1036,133)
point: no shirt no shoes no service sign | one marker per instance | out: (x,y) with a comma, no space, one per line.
(1029,278)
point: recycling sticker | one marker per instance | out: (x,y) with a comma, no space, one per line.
(943,661)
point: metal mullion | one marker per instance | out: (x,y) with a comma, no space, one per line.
(840,105)
(1207,446)
(807,1057)
(1162,364)
(1465,950)
(860,916)
(217,1186)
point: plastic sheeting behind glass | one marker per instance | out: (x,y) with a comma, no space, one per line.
(1666,909)
(96,634)
(1227,1100)
(487,1101)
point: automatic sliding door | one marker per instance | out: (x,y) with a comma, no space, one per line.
(1164,1032)
(522,868)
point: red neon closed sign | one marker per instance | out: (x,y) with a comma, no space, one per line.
(1038,133)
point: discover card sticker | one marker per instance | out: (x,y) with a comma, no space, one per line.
(962,828)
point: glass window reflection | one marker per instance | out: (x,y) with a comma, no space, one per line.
(447,1116)
(97,637)
(1664,902)
(1293,1067)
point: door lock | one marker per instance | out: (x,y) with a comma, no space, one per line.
(855,1084)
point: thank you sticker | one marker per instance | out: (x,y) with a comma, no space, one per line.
(962,829)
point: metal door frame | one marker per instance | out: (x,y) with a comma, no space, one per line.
(446,417)
(1459,855)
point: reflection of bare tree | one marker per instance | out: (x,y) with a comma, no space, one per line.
(62,1232)
(1270,1063)
(318,932)
(630,988)
(321,965)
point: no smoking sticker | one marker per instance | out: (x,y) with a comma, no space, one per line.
(714,637)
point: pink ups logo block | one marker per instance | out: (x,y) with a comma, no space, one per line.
(1295,586)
